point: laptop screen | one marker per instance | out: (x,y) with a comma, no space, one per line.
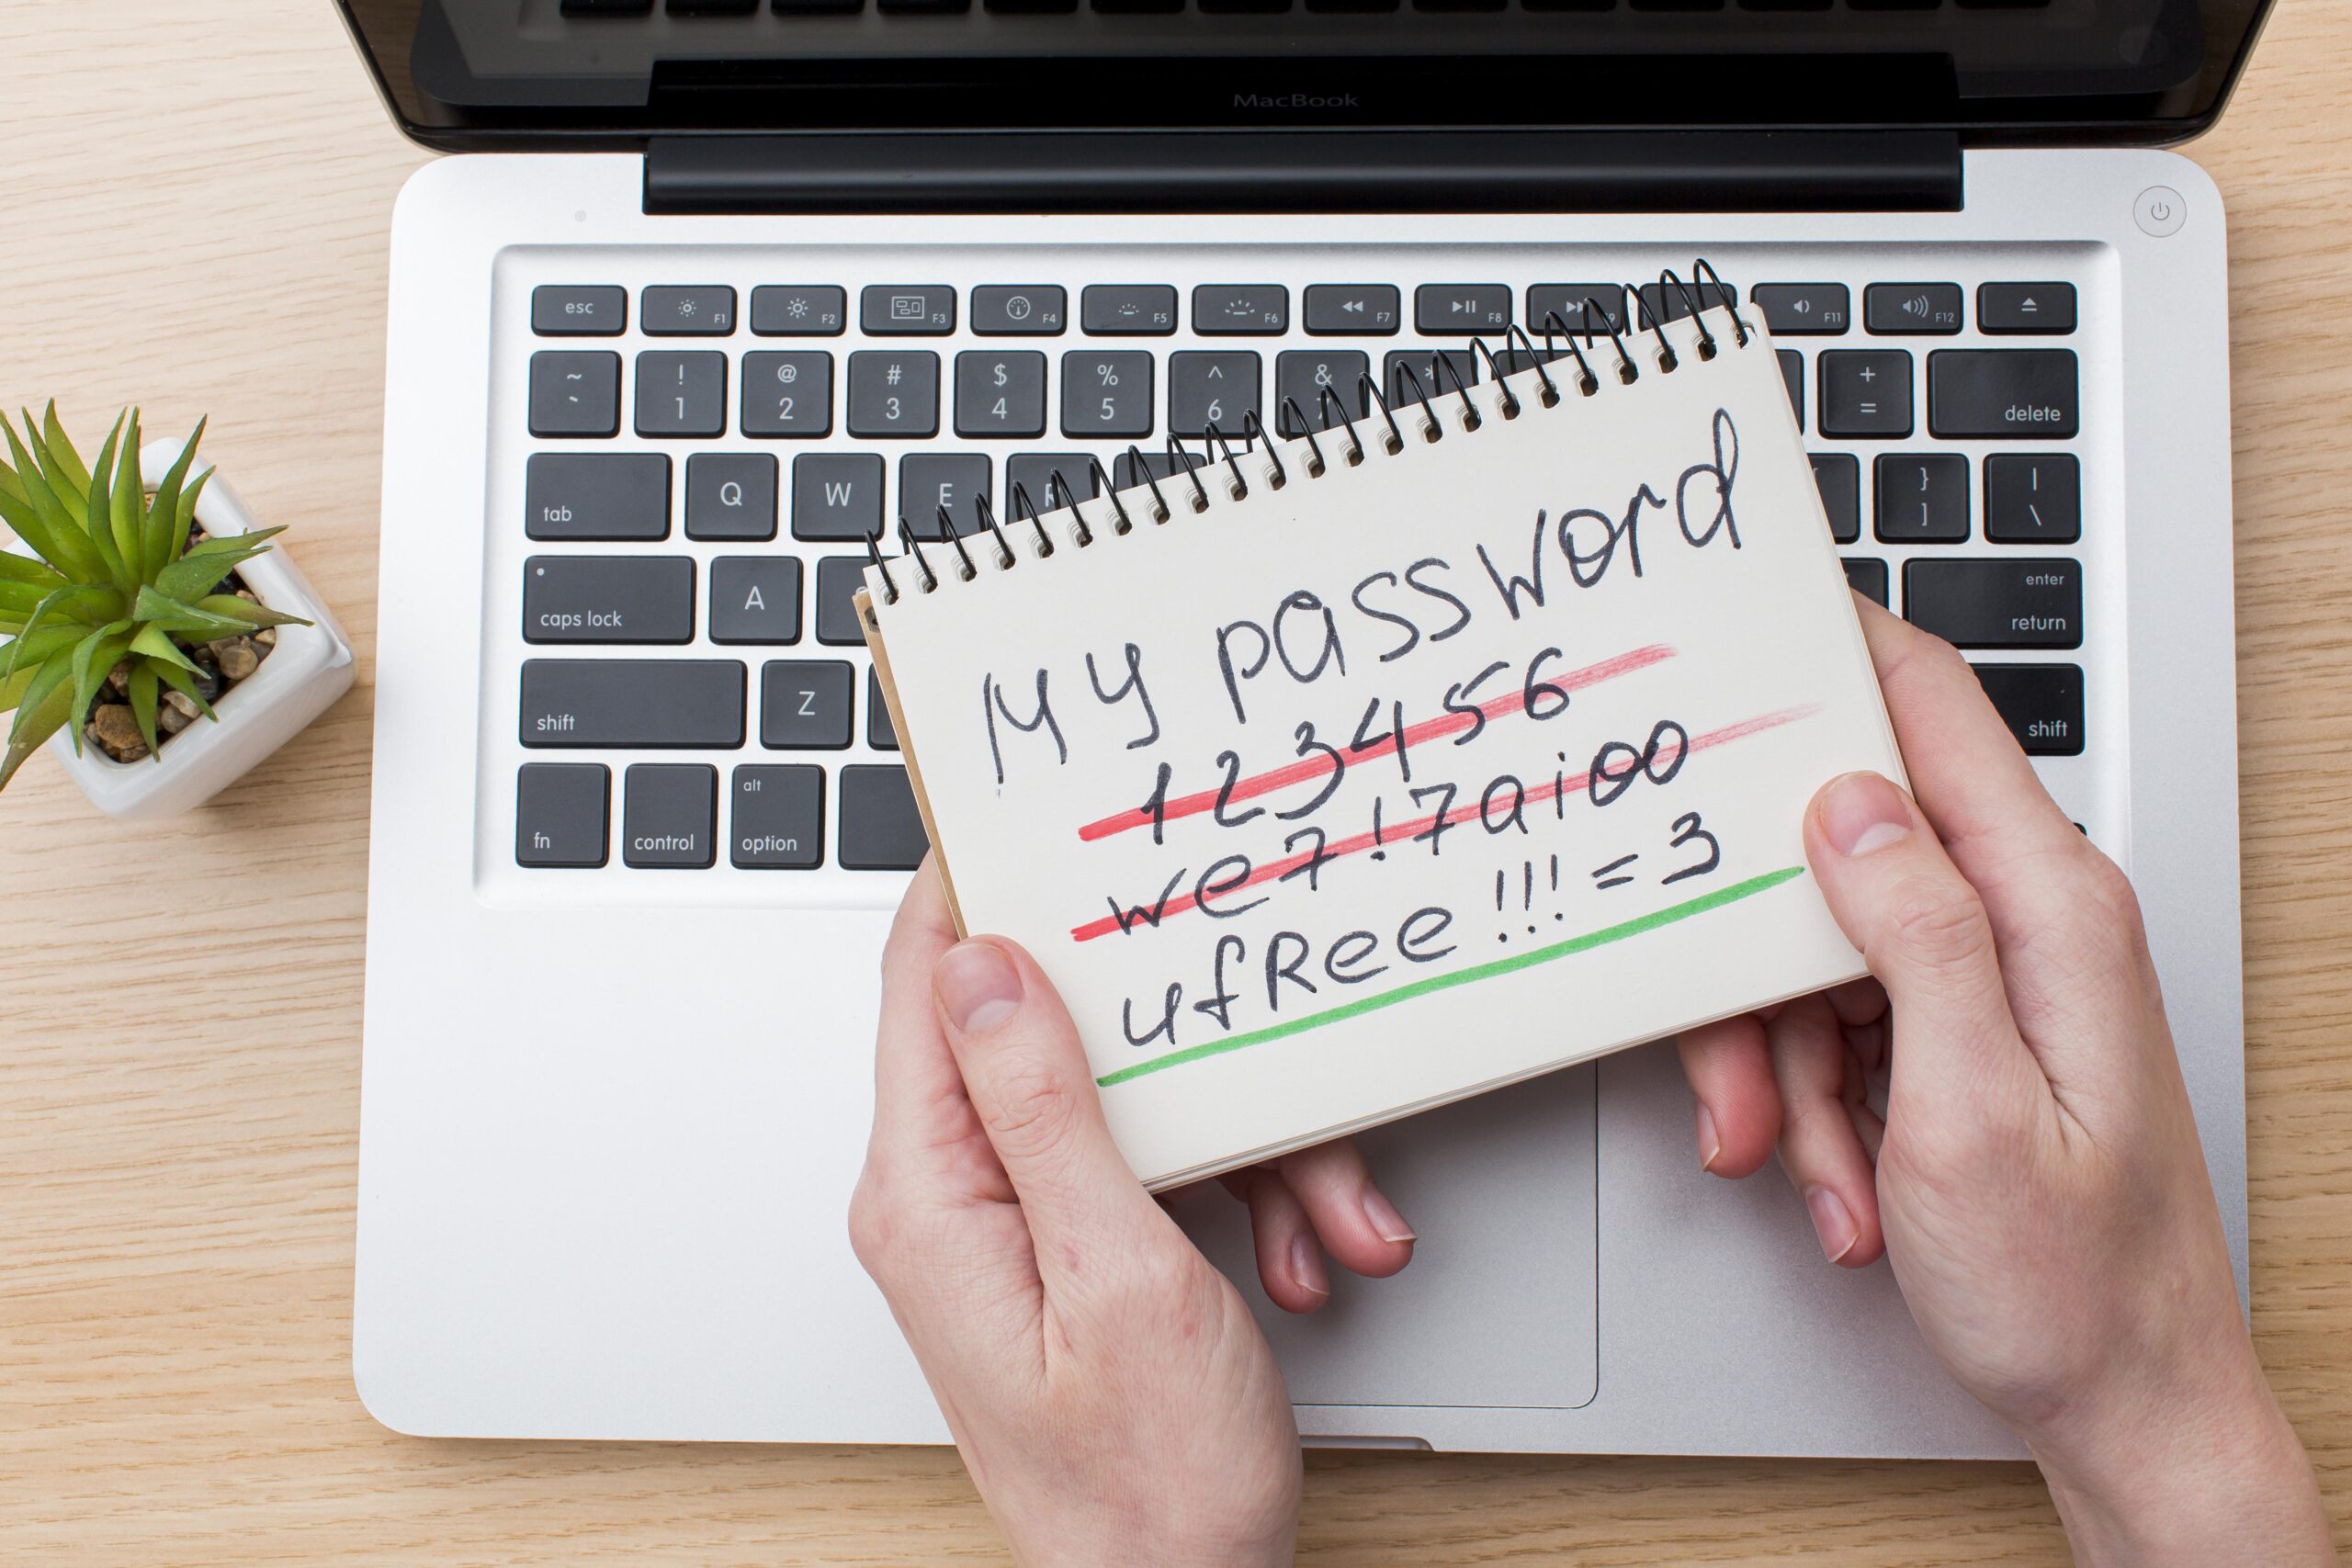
(479,74)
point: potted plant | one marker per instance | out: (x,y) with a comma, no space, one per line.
(158,644)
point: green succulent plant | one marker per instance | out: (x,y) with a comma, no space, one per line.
(116,583)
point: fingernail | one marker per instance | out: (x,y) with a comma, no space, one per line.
(1307,1265)
(1709,1145)
(1832,1222)
(1386,1221)
(978,985)
(1862,812)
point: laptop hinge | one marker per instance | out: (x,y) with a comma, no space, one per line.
(1305,171)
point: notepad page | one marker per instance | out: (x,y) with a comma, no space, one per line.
(1377,789)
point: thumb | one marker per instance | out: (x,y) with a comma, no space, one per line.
(1923,931)
(1035,1095)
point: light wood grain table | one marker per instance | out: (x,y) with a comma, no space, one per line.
(195,215)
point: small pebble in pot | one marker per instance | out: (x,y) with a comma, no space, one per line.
(113,728)
(238,658)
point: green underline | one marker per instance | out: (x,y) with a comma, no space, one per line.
(1528,959)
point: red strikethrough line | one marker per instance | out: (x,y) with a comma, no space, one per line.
(1317,767)
(1401,832)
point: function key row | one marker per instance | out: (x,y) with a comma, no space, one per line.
(1262,309)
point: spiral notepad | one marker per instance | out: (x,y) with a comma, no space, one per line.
(1338,776)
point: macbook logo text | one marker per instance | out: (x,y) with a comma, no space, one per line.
(1295,100)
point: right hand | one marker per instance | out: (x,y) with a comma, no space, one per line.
(2036,1181)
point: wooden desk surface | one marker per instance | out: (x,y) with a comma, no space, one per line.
(195,215)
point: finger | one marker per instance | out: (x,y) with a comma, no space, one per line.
(1729,1068)
(920,1106)
(1820,1148)
(1354,1219)
(1861,1007)
(1036,1098)
(1290,1260)
(2067,925)
(1922,931)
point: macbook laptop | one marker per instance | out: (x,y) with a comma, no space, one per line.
(711,292)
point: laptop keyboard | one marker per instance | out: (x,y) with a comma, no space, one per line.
(701,463)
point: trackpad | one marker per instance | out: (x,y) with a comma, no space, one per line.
(1500,1303)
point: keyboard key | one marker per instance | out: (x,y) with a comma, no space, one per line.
(2042,703)
(879,733)
(938,8)
(818,8)
(1241,309)
(1351,310)
(575,392)
(929,481)
(1211,388)
(2024,602)
(755,600)
(653,704)
(1020,309)
(669,816)
(836,495)
(881,830)
(561,809)
(1001,394)
(804,705)
(894,392)
(730,495)
(1422,363)
(1461,310)
(1128,309)
(1922,498)
(1865,391)
(1106,392)
(1793,379)
(1839,477)
(596,495)
(1301,373)
(682,393)
(2003,393)
(713,7)
(1661,302)
(788,394)
(2039,307)
(838,580)
(1867,577)
(2033,498)
(608,599)
(1033,472)
(779,821)
(1803,310)
(1911,308)
(1582,307)
(704,310)
(607,7)
(799,310)
(922,310)
(565,310)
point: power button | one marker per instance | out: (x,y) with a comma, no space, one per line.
(2160,211)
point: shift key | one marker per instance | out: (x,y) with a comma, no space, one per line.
(633,704)
(1997,603)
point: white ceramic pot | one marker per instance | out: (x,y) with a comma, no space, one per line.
(309,669)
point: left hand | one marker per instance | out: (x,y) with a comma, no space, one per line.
(1107,1387)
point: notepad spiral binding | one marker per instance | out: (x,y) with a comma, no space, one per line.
(1424,409)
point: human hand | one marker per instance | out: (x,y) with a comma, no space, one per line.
(2036,1181)
(1111,1395)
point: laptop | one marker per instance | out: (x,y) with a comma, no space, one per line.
(712,291)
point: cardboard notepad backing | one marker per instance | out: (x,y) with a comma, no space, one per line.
(1384,786)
